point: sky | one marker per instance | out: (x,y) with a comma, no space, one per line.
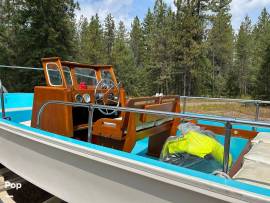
(126,10)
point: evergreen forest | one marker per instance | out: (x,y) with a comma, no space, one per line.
(191,49)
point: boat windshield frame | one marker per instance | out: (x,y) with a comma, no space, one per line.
(71,80)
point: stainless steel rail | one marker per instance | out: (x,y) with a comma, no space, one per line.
(2,100)
(91,107)
(227,99)
(74,104)
(154,112)
(257,103)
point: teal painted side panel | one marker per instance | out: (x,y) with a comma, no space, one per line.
(19,116)
(17,100)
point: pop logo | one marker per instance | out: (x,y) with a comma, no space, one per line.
(9,185)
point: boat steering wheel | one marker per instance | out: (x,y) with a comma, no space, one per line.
(106,92)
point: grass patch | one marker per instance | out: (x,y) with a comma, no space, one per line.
(227,109)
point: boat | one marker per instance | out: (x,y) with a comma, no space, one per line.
(83,140)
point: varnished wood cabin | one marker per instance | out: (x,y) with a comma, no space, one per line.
(82,83)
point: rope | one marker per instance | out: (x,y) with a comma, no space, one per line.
(41,69)
(221,174)
(21,67)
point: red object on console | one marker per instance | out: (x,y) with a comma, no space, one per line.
(83,86)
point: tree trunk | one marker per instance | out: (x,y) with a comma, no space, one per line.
(189,84)
(185,82)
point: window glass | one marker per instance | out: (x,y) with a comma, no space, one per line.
(86,76)
(55,78)
(106,74)
(67,75)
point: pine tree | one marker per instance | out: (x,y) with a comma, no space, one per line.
(168,72)
(243,63)
(35,29)
(109,36)
(158,68)
(137,42)
(8,31)
(189,49)
(261,36)
(46,30)
(263,82)
(91,41)
(123,60)
(220,42)
(8,50)
(82,33)
(157,28)
(148,35)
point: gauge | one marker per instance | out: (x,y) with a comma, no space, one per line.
(86,98)
(111,96)
(99,96)
(78,98)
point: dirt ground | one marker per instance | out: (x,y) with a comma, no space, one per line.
(227,109)
(29,193)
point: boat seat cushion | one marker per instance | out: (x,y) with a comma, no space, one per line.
(164,120)
(263,137)
(255,169)
(113,124)
(255,173)
(259,153)
(142,125)
(119,128)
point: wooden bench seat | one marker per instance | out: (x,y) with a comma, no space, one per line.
(123,132)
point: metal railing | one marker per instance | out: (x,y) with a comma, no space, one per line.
(91,107)
(256,103)
(2,100)
(73,104)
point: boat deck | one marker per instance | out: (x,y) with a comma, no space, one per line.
(204,165)
(255,169)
